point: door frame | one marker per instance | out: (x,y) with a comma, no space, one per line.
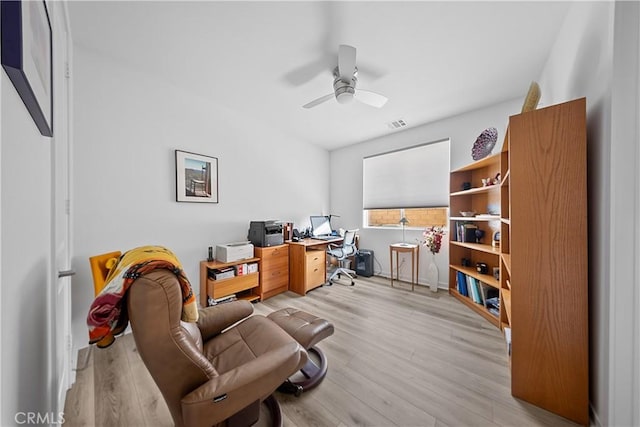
(624,273)
(60,336)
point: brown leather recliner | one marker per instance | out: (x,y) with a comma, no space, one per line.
(207,375)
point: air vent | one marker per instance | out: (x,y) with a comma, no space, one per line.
(397,124)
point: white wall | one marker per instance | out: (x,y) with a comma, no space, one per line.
(624,269)
(580,64)
(346,179)
(127,125)
(25,226)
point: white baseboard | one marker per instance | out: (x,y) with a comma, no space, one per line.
(594,420)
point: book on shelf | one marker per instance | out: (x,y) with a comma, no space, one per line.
(466,232)
(461,280)
(241,269)
(472,283)
(491,299)
(221,273)
(488,292)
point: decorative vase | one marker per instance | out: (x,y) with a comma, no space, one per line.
(432,274)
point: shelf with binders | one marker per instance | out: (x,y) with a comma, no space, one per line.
(476,192)
(468,284)
(243,285)
(478,292)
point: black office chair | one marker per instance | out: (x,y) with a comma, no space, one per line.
(341,253)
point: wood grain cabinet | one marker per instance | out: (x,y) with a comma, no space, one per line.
(274,270)
(543,279)
(244,286)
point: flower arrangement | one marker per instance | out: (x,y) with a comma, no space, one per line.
(433,238)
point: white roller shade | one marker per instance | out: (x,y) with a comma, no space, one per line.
(415,177)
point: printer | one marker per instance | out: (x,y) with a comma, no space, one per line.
(231,252)
(266,233)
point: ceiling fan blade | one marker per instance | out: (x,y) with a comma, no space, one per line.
(370,98)
(346,62)
(318,101)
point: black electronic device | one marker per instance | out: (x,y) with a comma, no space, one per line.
(482,268)
(364,263)
(210,257)
(296,235)
(265,233)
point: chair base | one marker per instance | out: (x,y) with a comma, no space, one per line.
(254,413)
(274,407)
(351,274)
(313,373)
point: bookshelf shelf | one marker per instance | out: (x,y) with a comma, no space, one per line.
(478,247)
(489,161)
(506,258)
(505,179)
(476,190)
(481,310)
(476,218)
(506,303)
(485,278)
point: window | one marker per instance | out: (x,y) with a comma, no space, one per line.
(411,183)
(417,217)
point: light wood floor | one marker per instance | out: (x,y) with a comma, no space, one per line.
(397,358)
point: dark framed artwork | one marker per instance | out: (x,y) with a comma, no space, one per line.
(196,178)
(27,57)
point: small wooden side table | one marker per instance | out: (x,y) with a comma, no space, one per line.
(415,260)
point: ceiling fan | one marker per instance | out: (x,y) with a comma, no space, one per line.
(345,77)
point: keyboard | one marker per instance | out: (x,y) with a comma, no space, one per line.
(325,237)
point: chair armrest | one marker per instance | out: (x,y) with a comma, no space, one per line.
(222,396)
(213,320)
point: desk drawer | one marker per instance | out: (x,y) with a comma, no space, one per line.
(280,263)
(315,259)
(274,278)
(224,287)
(272,253)
(315,275)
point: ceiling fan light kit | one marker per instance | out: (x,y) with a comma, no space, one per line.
(344,90)
(344,82)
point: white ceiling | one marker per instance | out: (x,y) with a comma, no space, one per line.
(266,59)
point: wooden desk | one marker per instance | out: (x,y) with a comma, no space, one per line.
(415,263)
(308,264)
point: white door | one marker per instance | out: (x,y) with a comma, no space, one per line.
(61,339)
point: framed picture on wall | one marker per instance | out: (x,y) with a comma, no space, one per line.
(26,57)
(196,178)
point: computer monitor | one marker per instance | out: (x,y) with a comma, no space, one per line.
(320,226)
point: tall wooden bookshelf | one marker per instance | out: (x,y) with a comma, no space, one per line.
(542,255)
(543,259)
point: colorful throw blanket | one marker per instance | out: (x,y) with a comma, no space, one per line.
(108,315)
